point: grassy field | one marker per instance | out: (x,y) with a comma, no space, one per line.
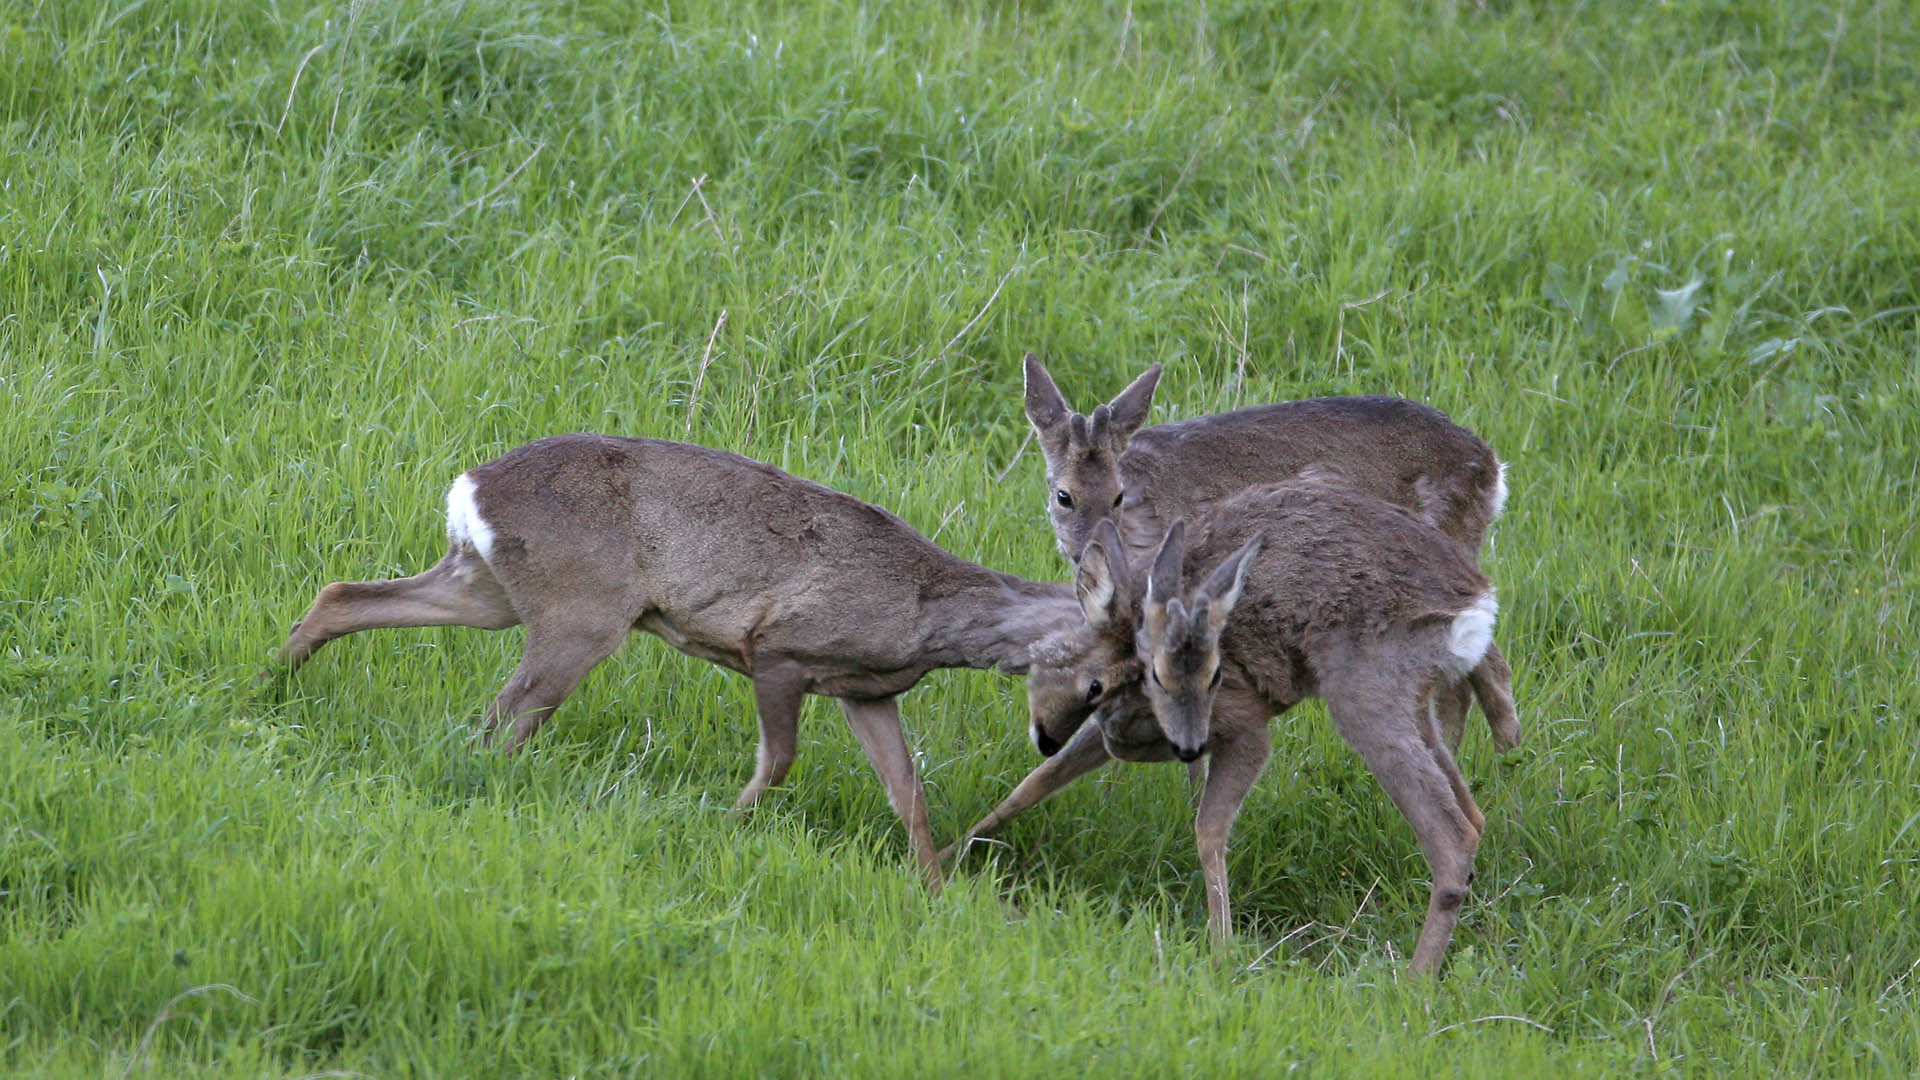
(272,273)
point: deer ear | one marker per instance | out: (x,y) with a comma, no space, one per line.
(1163,581)
(1224,584)
(1096,581)
(1130,406)
(1047,410)
(1107,535)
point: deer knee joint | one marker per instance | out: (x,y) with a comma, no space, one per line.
(1211,835)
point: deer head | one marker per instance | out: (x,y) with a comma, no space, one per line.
(1179,639)
(1075,670)
(1082,452)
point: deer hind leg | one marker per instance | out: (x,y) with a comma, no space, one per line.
(1085,751)
(1392,732)
(1492,681)
(1435,737)
(1450,704)
(459,590)
(558,654)
(778,692)
(876,724)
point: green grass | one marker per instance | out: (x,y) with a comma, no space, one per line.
(271,274)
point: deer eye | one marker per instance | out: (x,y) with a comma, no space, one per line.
(1093,690)
(1063,499)
(1214,683)
(1117,498)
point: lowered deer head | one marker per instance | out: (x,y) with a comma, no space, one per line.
(1075,669)
(1179,640)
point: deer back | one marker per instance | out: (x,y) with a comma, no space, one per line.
(1394,449)
(1338,569)
(722,556)
(1106,465)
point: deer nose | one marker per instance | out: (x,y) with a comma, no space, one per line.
(1185,753)
(1044,742)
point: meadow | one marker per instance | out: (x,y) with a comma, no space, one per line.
(273,272)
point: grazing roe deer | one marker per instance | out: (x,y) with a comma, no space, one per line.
(583,538)
(1331,593)
(1106,467)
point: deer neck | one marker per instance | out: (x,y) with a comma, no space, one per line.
(993,620)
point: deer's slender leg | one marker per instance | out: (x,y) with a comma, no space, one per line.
(557,656)
(876,724)
(1385,728)
(778,692)
(1197,778)
(1443,756)
(1492,683)
(1450,704)
(458,590)
(1085,751)
(1239,750)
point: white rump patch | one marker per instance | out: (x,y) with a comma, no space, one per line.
(1472,631)
(464,523)
(1499,492)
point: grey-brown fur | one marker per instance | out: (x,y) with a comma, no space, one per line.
(1109,467)
(805,589)
(1289,591)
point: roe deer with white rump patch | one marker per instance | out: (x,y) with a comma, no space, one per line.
(1106,467)
(1288,591)
(806,590)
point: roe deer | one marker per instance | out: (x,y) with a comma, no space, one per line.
(1332,593)
(806,590)
(1106,467)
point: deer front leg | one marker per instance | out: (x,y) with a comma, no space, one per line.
(1196,779)
(1235,762)
(1085,751)
(876,724)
